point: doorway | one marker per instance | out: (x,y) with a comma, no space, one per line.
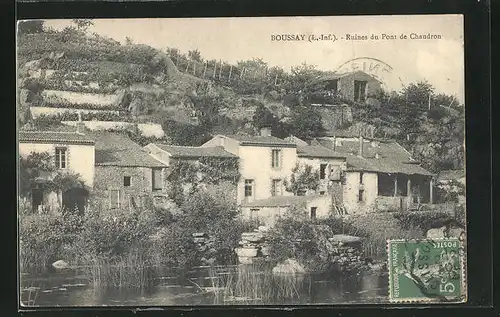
(36,198)
(360,90)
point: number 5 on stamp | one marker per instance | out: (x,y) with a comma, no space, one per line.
(426,271)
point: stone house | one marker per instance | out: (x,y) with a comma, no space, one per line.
(380,175)
(125,175)
(355,86)
(71,151)
(265,162)
(197,156)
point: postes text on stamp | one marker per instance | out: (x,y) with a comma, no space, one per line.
(426,270)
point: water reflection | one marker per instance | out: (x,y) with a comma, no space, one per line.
(238,285)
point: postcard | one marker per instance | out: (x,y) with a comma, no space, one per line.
(241,161)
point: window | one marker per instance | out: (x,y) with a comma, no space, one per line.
(313,212)
(61,157)
(157,179)
(276,187)
(248,188)
(254,214)
(114,198)
(322,171)
(361,195)
(126,181)
(276,158)
(361,177)
(335,173)
(359,90)
(333,85)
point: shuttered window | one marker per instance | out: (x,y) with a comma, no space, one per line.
(61,157)
(276,187)
(114,198)
(276,158)
(335,173)
(157,179)
(248,188)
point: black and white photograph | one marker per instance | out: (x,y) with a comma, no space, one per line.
(241,161)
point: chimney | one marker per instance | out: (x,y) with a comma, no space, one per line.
(265,131)
(80,125)
(360,153)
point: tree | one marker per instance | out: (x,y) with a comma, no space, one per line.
(301,76)
(195,55)
(128,41)
(306,123)
(418,94)
(304,178)
(83,24)
(31,167)
(30,27)
(263,117)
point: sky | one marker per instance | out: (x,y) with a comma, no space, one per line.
(439,61)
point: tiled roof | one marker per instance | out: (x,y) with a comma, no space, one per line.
(191,151)
(393,158)
(317,151)
(451,174)
(116,149)
(280,201)
(296,140)
(260,140)
(55,137)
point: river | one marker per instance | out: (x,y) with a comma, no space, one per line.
(233,285)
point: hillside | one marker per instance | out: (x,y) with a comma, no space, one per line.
(65,72)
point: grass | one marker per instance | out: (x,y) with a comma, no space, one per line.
(376,229)
(253,283)
(130,271)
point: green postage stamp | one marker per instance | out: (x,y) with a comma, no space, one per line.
(428,270)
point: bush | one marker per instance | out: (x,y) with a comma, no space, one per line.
(376,229)
(295,236)
(43,237)
(424,220)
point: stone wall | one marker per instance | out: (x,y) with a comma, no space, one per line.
(253,245)
(49,111)
(344,251)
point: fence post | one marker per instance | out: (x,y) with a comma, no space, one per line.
(220,70)
(230,71)
(276,79)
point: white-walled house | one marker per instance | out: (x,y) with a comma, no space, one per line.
(380,175)
(71,151)
(265,162)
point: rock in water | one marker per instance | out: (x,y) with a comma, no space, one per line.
(60,265)
(289,266)
(435,233)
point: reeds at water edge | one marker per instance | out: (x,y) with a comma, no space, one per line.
(130,271)
(254,284)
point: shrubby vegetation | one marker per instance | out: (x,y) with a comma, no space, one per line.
(102,239)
